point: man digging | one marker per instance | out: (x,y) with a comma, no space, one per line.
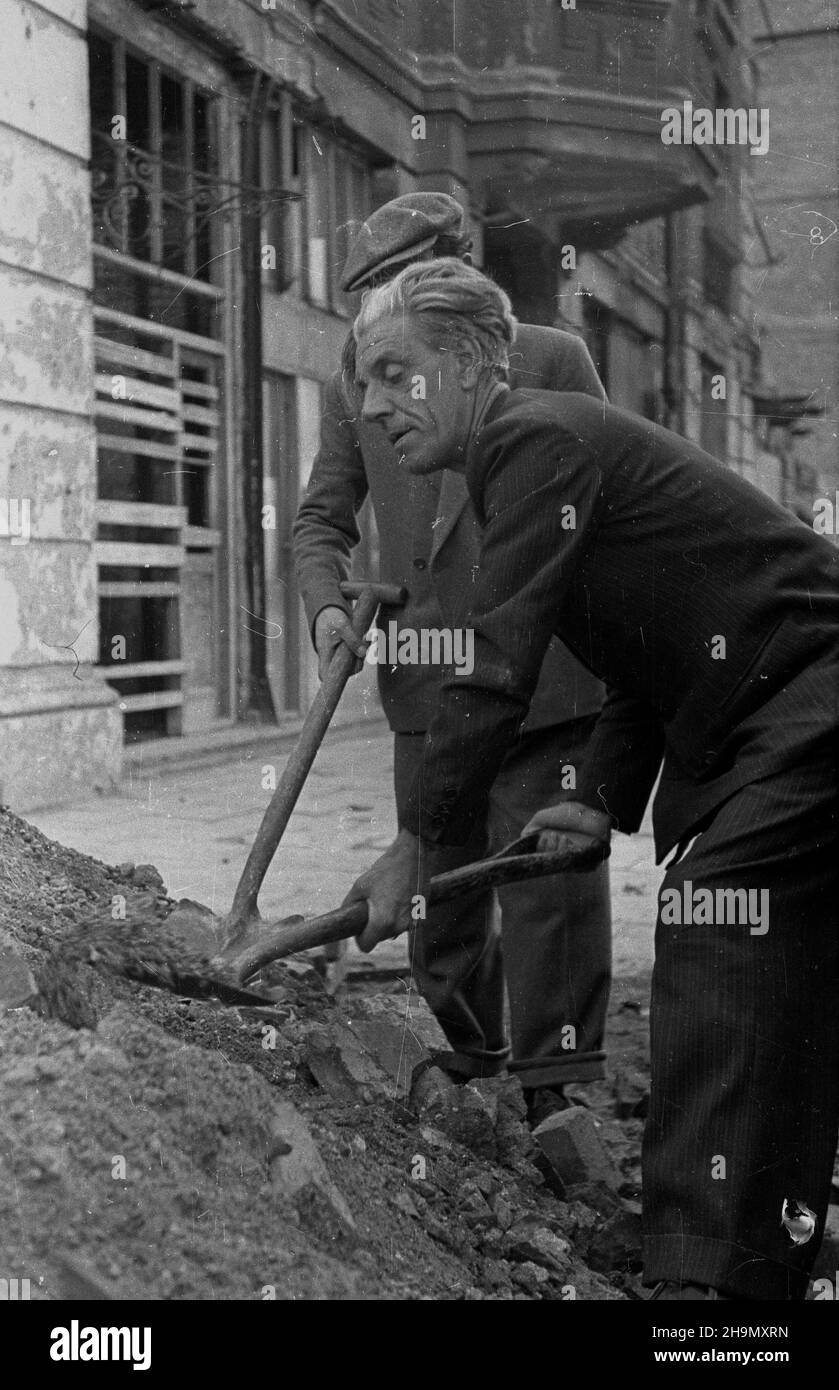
(712,616)
(555,934)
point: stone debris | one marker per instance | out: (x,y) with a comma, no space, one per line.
(342,1064)
(617,1244)
(513,1140)
(189,1151)
(298,1172)
(531,1277)
(399,1032)
(461,1114)
(527,1241)
(484,1116)
(571,1143)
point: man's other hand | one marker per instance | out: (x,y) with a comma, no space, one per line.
(332,628)
(389,888)
(569,826)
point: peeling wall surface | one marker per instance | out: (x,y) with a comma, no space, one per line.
(58,723)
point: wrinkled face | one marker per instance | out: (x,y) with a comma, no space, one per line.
(422,397)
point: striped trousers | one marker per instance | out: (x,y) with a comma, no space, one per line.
(744,1022)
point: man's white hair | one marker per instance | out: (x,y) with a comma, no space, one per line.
(451,303)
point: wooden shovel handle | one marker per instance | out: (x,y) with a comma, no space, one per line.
(276,942)
(282,803)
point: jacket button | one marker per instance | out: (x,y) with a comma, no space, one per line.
(419,564)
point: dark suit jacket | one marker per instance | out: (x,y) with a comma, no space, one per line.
(698,600)
(428,535)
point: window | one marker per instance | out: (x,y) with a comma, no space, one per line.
(333,181)
(160,391)
(337,199)
(282,217)
(154,160)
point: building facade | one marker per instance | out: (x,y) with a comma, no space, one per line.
(795,53)
(181,180)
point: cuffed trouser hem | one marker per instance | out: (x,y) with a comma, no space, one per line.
(559,1071)
(731,1269)
(472,1066)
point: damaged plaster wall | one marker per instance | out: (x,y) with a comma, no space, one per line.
(59,726)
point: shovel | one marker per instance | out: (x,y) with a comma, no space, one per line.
(175,954)
(517,861)
(155,956)
(192,920)
(194,952)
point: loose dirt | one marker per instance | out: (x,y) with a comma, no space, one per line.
(158,1148)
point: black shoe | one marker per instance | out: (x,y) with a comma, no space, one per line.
(544,1101)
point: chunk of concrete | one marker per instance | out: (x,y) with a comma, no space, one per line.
(570,1142)
(299,1174)
(398,1032)
(342,1065)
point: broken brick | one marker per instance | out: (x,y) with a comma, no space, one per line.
(571,1143)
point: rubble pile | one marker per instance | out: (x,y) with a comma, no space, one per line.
(170,1149)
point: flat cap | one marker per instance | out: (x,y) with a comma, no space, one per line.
(400,231)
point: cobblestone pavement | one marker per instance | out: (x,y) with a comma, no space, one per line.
(197,826)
